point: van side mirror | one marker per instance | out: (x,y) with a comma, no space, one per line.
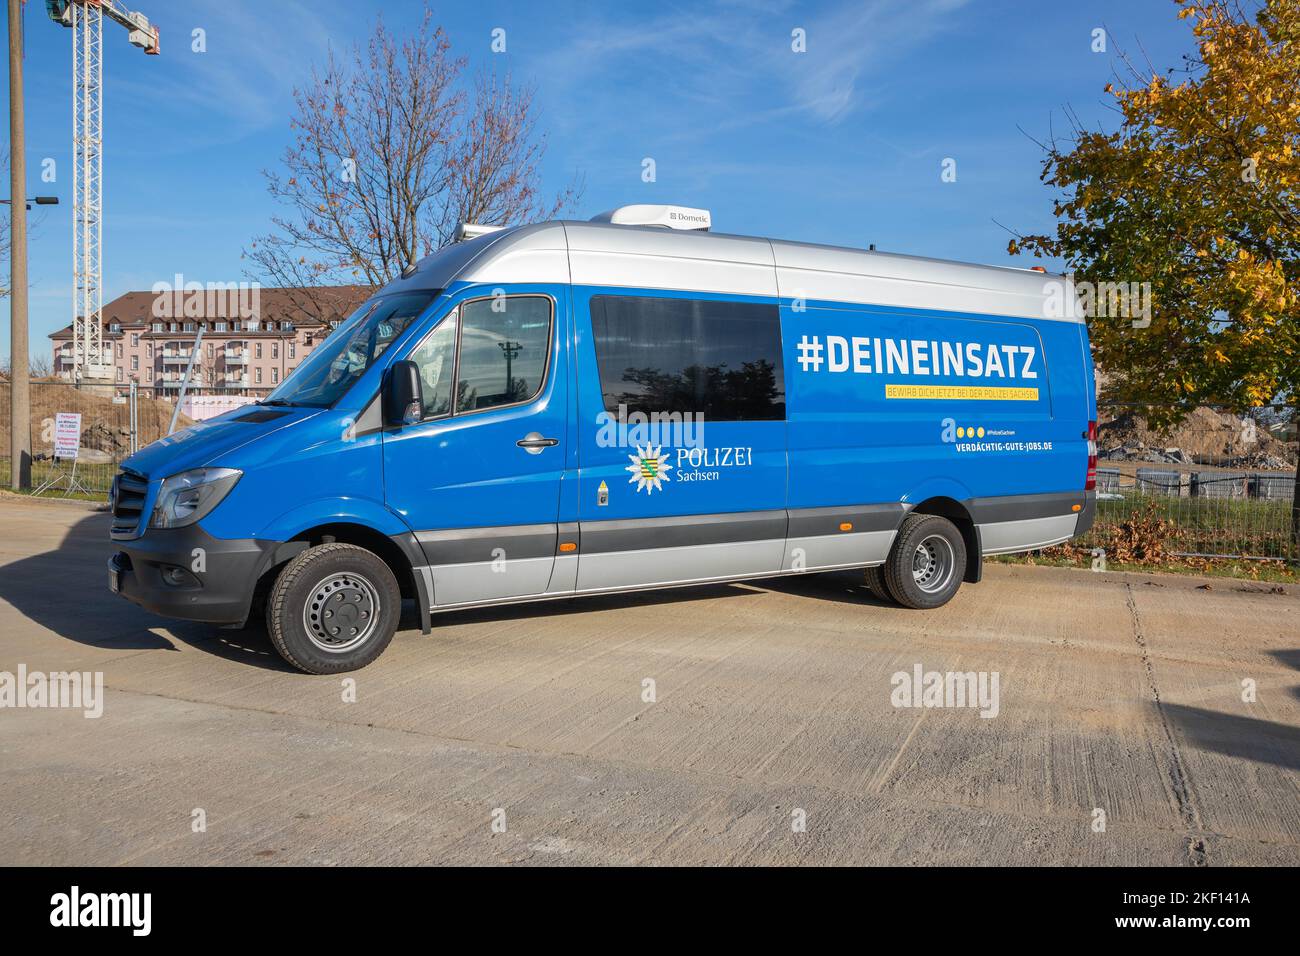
(404,397)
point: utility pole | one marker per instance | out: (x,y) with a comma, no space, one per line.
(20,436)
(511,349)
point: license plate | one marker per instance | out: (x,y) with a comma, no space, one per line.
(114,580)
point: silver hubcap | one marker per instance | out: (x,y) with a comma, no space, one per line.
(342,612)
(932,564)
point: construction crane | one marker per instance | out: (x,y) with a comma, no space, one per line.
(86,19)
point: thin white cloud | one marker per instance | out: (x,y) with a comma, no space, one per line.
(856,42)
(726,60)
(243,80)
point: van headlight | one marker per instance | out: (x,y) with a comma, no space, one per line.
(187,497)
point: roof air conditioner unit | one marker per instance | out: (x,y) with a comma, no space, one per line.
(670,217)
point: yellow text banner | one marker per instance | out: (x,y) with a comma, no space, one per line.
(966,392)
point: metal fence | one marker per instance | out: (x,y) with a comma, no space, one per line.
(112,425)
(1220,484)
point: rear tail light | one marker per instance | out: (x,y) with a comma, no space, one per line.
(1090,480)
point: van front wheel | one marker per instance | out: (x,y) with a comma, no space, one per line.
(927,562)
(333,608)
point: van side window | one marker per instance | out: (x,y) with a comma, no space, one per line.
(504,343)
(436,358)
(718,358)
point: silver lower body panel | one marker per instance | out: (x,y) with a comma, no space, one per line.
(1006,537)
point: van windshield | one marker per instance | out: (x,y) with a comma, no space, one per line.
(333,366)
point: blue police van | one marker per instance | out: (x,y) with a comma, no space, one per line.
(573,408)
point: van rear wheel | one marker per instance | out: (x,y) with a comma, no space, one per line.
(333,608)
(927,562)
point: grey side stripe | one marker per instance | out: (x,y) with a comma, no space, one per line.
(468,545)
(680,531)
(1023,507)
(522,542)
(814,522)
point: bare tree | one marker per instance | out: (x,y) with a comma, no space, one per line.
(392,148)
(210,377)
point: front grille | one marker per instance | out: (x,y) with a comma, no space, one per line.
(128,502)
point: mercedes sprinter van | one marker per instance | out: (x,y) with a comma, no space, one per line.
(573,408)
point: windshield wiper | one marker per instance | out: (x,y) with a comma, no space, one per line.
(277,401)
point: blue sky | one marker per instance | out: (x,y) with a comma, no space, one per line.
(842,144)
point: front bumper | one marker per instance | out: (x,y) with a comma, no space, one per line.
(187,573)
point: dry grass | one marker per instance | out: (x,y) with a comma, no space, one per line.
(1147,540)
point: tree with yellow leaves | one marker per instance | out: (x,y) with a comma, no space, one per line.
(1198,194)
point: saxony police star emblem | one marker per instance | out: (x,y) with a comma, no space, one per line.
(649,468)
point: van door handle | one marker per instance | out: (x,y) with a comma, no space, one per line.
(533,443)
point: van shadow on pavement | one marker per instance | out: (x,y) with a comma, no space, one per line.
(66,591)
(847,587)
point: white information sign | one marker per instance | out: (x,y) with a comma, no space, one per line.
(67,434)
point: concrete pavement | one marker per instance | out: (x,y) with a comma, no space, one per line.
(533,735)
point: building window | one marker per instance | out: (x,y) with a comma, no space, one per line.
(135,363)
(115,327)
(257,374)
(275,376)
(694,356)
(293,350)
(286,326)
(234,326)
(210,353)
(120,375)
(157,326)
(221,326)
(148,373)
(257,350)
(175,327)
(135,340)
(149,347)
(275,350)
(251,325)
(189,326)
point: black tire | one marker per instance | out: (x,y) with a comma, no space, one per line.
(320,583)
(876,583)
(927,562)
